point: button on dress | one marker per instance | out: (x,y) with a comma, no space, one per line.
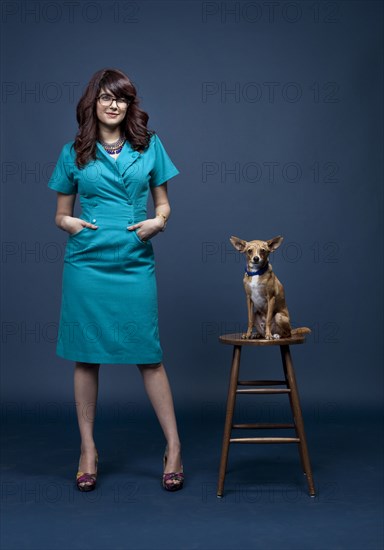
(109,308)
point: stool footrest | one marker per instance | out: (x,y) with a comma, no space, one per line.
(265,390)
(262,382)
(262,426)
(265,440)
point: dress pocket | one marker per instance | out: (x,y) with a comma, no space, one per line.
(73,235)
(138,238)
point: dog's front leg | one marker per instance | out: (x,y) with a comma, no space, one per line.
(268,319)
(248,334)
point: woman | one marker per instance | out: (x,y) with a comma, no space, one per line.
(109,294)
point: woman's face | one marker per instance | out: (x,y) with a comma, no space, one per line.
(110,116)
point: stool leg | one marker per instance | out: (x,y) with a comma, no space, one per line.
(297,415)
(289,384)
(231,401)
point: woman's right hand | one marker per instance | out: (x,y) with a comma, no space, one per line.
(75,225)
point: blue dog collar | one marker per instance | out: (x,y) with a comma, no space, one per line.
(258,272)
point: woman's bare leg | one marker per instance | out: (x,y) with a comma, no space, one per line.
(86,382)
(159,392)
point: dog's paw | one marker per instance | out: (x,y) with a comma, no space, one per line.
(246,335)
(268,337)
(276,336)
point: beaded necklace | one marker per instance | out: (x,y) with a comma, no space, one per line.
(115,147)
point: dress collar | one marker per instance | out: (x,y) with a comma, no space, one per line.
(125,159)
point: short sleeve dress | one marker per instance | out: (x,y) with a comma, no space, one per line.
(109,309)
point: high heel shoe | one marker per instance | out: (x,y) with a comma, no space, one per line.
(172,481)
(89,480)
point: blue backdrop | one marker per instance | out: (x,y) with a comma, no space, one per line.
(273,115)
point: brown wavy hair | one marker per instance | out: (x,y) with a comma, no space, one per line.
(134,125)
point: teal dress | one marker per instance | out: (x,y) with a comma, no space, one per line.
(109,310)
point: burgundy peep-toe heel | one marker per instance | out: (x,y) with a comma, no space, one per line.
(172,481)
(89,480)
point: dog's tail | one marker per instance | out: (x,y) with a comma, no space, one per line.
(300,330)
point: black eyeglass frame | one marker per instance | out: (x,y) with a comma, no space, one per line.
(126,100)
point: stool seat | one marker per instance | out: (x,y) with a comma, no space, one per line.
(260,387)
(236,339)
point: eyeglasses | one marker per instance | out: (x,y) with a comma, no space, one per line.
(106,100)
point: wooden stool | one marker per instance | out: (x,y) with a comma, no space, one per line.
(290,389)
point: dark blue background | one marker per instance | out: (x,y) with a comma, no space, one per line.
(231,94)
(328,142)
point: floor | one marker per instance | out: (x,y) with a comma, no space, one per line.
(265,506)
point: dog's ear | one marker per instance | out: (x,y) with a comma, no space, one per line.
(239,244)
(274,243)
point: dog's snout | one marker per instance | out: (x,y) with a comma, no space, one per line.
(256,259)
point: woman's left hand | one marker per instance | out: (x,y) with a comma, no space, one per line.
(148,228)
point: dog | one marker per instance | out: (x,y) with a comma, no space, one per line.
(267,310)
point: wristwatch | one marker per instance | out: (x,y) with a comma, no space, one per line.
(165,221)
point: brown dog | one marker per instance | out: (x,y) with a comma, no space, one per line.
(267,310)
